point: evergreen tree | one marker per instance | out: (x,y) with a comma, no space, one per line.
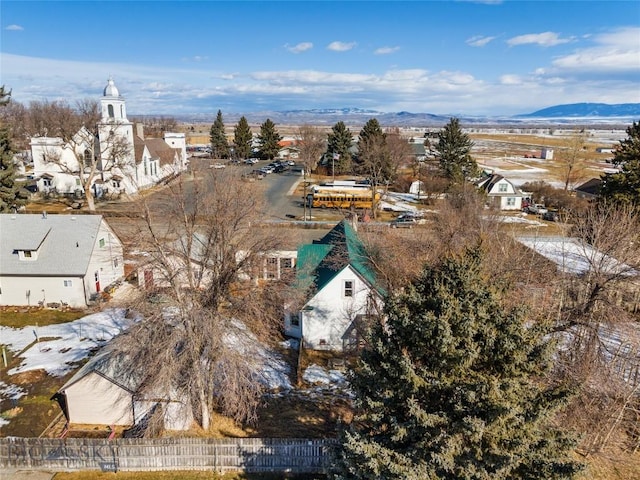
(624,186)
(339,142)
(242,139)
(218,138)
(448,387)
(269,140)
(12,195)
(453,152)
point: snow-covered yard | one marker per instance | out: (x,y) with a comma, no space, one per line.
(61,348)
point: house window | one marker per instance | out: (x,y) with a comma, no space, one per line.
(348,288)
(27,254)
(88,158)
(67,283)
(101,242)
(115,263)
(146,167)
(511,202)
(115,182)
(46,182)
(272,268)
(295,319)
(502,188)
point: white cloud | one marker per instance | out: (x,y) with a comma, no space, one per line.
(14,27)
(178,90)
(386,50)
(617,51)
(196,58)
(300,47)
(545,39)
(479,41)
(510,79)
(341,46)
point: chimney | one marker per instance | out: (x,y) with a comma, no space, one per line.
(140,130)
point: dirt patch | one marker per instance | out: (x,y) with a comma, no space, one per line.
(28,378)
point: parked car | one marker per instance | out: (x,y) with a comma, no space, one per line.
(551,216)
(267,169)
(537,209)
(404,222)
(217,165)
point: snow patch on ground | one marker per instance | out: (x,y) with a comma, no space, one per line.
(315,374)
(58,348)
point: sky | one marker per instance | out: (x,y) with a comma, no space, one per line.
(488,57)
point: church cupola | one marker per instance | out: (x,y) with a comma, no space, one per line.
(113,105)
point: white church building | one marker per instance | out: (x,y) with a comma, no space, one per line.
(115,155)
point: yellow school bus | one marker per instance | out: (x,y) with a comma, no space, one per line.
(341,198)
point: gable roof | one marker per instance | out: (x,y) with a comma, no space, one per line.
(591,187)
(64,243)
(320,261)
(161,149)
(111,365)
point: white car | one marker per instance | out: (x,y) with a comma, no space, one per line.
(537,209)
(217,165)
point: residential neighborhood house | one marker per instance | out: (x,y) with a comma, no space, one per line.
(103,392)
(62,259)
(589,189)
(125,161)
(501,193)
(340,291)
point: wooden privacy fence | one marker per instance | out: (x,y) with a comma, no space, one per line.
(219,455)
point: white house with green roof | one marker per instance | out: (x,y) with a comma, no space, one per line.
(57,258)
(340,291)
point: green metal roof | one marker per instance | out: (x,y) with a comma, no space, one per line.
(319,262)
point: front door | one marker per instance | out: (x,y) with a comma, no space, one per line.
(97,277)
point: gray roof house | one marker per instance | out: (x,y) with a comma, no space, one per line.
(64,259)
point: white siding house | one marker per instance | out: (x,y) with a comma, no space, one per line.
(56,259)
(103,392)
(341,292)
(118,159)
(501,192)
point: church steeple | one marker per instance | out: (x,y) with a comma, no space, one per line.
(113,105)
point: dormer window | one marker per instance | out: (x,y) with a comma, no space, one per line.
(502,188)
(27,255)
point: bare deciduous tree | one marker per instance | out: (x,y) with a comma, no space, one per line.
(80,154)
(571,159)
(312,142)
(84,157)
(201,241)
(595,315)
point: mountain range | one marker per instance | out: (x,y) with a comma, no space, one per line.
(576,113)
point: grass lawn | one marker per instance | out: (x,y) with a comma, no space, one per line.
(30,414)
(19,317)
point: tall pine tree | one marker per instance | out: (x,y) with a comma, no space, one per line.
(453,152)
(338,154)
(449,387)
(269,140)
(12,195)
(624,186)
(242,139)
(218,138)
